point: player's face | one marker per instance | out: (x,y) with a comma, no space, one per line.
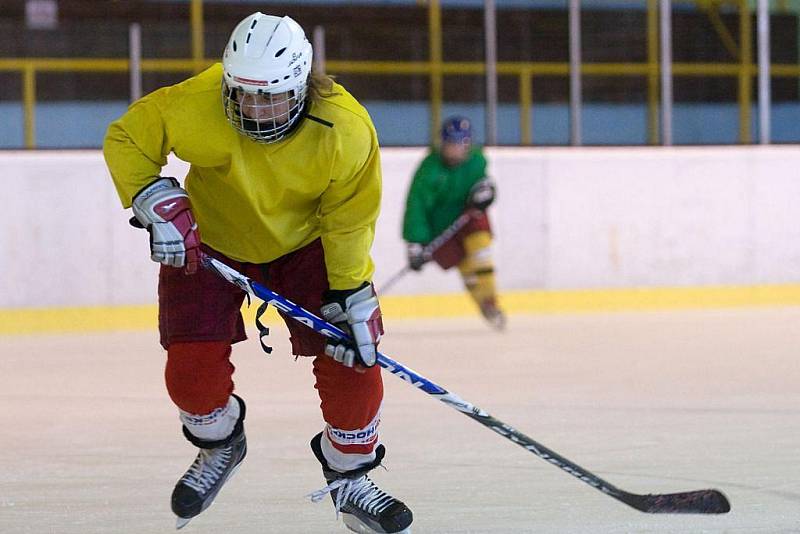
(455,154)
(273,108)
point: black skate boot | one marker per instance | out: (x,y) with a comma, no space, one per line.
(215,463)
(365,508)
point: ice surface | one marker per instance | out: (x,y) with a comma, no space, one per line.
(653,402)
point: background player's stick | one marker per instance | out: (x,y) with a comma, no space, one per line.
(430,248)
(706,501)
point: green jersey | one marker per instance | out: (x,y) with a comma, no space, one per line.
(438,195)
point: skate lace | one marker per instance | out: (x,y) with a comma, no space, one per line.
(207,468)
(361,492)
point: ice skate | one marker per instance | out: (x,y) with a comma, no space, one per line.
(196,490)
(216,461)
(364,507)
(494,316)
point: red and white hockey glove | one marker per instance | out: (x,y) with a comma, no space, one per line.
(163,209)
(357,312)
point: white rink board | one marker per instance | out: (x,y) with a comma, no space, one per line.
(565,218)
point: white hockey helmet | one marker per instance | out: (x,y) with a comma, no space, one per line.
(266,67)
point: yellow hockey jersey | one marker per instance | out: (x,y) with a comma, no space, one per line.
(255,202)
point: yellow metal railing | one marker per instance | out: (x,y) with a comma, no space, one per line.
(198,29)
(524,71)
(29,101)
(652,72)
(436,68)
(436,64)
(746,71)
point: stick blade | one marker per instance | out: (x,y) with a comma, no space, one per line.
(707,501)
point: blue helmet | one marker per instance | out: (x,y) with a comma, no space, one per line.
(457,129)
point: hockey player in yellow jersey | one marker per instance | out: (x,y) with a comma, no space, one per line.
(284,185)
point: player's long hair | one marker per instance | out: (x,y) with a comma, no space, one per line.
(320,85)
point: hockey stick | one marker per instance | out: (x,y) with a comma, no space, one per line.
(431,247)
(706,501)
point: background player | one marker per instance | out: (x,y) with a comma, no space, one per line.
(284,186)
(449,182)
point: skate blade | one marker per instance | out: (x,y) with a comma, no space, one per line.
(354,525)
(497,323)
(180,522)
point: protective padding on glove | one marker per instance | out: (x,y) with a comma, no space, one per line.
(482,194)
(357,312)
(163,208)
(416,256)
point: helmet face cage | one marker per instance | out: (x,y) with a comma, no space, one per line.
(262,116)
